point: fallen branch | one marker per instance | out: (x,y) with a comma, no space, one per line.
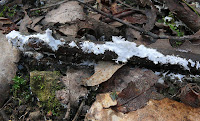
(154,36)
(45,7)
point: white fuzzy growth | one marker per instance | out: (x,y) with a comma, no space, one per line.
(181,50)
(167,18)
(125,50)
(197,65)
(19,40)
(191,62)
(73,44)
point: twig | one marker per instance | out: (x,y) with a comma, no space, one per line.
(154,36)
(68,111)
(6,103)
(79,110)
(128,6)
(45,7)
(123,14)
(23,115)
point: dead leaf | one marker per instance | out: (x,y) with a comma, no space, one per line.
(163,110)
(66,13)
(73,90)
(133,35)
(190,95)
(106,100)
(36,20)
(136,19)
(71,30)
(7,25)
(151,18)
(121,79)
(95,16)
(5,21)
(25,22)
(114,8)
(103,71)
(138,91)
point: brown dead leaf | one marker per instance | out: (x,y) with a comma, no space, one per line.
(73,84)
(67,12)
(138,92)
(196,42)
(190,95)
(135,87)
(71,30)
(114,8)
(136,19)
(106,100)
(163,110)
(7,25)
(25,22)
(5,21)
(103,71)
(36,20)
(133,35)
(151,18)
(121,79)
(95,16)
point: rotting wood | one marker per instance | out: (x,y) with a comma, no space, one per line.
(76,55)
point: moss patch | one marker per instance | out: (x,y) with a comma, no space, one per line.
(44,84)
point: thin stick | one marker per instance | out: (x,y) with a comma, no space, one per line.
(128,6)
(6,103)
(154,36)
(68,111)
(45,7)
(79,110)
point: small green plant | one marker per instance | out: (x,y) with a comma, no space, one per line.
(179,43)
(8,11)
(113,95)
(20,89)
(172,25)
(36,13)
(19,82)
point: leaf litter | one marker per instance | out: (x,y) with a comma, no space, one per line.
(126,89)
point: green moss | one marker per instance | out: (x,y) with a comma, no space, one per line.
(43,85)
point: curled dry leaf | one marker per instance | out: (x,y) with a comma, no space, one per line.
(163,110)
(103,71)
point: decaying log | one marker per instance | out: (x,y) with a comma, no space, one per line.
(76,54)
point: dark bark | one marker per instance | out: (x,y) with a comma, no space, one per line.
(75,55)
